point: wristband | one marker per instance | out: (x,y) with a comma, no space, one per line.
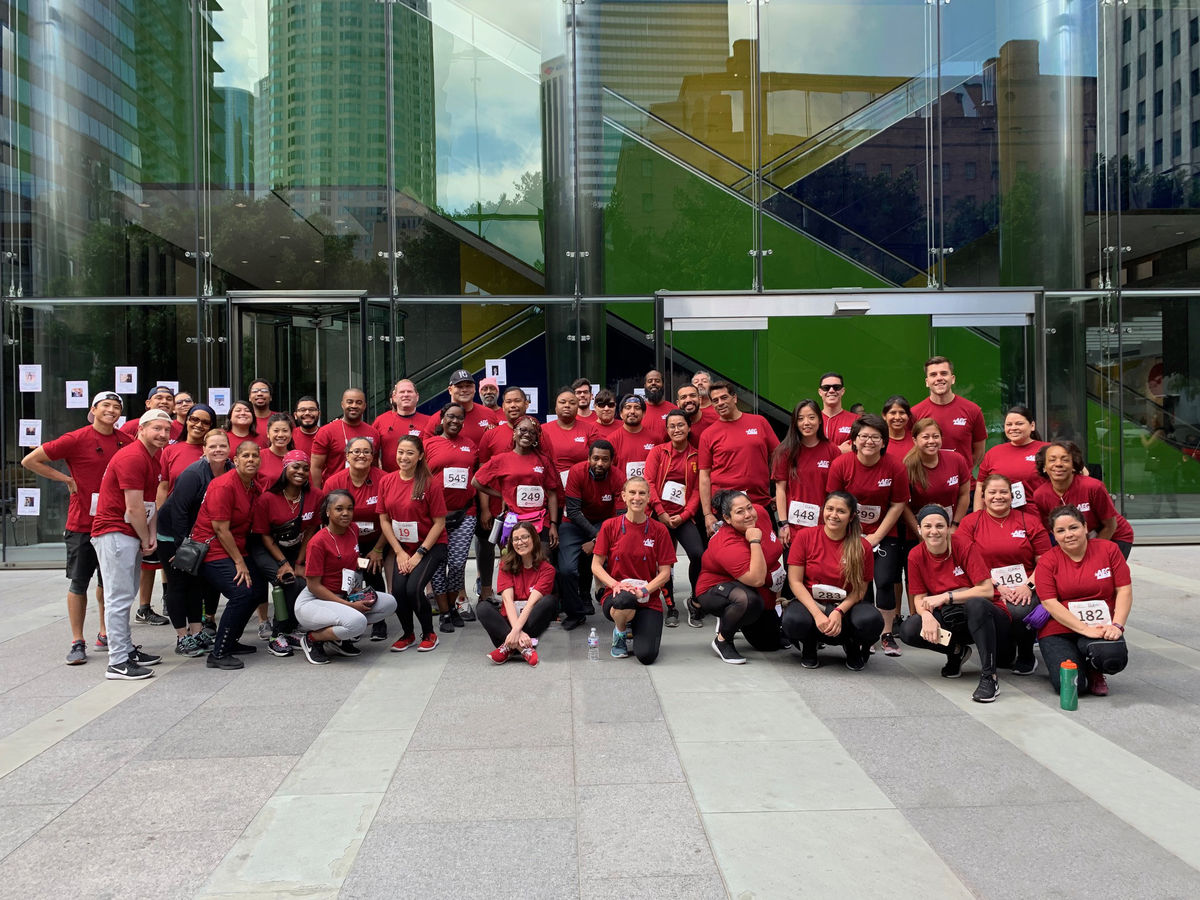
(422,550)
(759,541)
(838,610)
(1119,627)
(950,597)
(378,550)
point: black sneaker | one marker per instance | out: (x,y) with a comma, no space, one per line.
(224,662)
(314,651)
(570,623)
(727,652)
(379,631)
(189,646)
(808,656)
(341,648)
(672,618)
(240,648)
(456,618)
(445,625)
(78,654)
(209,625)
(989,687)
(147,616)
(1025,666)
(127,671)
(856,657)
(954,664)
(465,610)
(142,658)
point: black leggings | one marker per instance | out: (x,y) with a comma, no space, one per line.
(184,596)
(985,625)
(861,626)
(485,550)
(1021,637)
(284,619)
(689,539)
(764,632)
(889,570)
(647,625)
(498,627)
(1089,654)
(737,605)
(409,591)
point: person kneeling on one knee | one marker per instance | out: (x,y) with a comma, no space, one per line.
(334,609)
(950,586)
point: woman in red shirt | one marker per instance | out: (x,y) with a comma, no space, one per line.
(632,560)
(898,414)
(741,576)
(1061,463)
(936,476)
(412,514)
(800,470)
(1086,587)
(241,424)
(951,589)
(452,457)
(279,442)
(525,480)
(1010,541)
(178,456)
(364,481)
(335,607)
(1016,459)
(829,571)
(527,605)
(224,524)
(673,473)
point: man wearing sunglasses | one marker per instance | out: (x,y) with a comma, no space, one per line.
(837,421)
(606,422)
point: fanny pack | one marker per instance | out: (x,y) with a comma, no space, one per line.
(502,528)
(455,519)
(289,533)
(189,555)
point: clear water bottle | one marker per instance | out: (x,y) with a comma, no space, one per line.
(593,645)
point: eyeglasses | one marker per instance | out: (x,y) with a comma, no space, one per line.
(870,439)
(830,388)
(260,390)
(196,420)
(359,452)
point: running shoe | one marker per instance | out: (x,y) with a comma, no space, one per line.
(342,648)
(618,650)
(101,642)
(127,671)
(189,646)
(293,640)
(78,654)
(1097,683)
(465,610)
(499,656)
(456,618)
(672,618)
(207,639)
(228,662)
(209,625)
(954,663)
(142,658)
(808,656)
(695,618)
(264,631)
(147,616)
(989,687)
(856,657)
(444,624)
(887,641)
(379,631)
(314,651)
(727,652)
(530,655)
(428,642)
(405,641)
(279,646)
(1024,666)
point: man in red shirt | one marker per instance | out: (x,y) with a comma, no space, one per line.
(698,419)
(634,441)
(161,396)
(702,381)
(398,421)
(837,421)
(489,393)
(329,446)
(307,417)
(259,394)
(123,530)
(478,417)
(86,451)
(583,393)
(605,422)
(655,419)
(960,420)
(593,492)
(735,453)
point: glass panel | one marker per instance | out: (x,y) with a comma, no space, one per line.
(990,368)
(1067,380)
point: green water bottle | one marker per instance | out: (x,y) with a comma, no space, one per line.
(279,603)
(1068,686)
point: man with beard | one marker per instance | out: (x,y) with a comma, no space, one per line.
(735,454)
(331,440)
(162,397)
(565,438)
(478,418)
(489,393)
(398,421)
(702,381)
(633,443)
(583,393)
(698,419)
(655,420)
(593,491)
(259,395)
(307,416)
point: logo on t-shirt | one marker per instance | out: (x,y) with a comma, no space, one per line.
(823,464)
(648,542)
(1104,572)
(951,481)
(958,570)
(1018,533)
(580,439)
(371,501)
(959,421)
(1031,458)
(465,448)
(307,517)
(885,482)
(1084,507)
(647,446)
(539,469)
(844,429)
(751,431)
(605,498)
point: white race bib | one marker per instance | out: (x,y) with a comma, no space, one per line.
(869,514)
(365,527)
(949,515)
(778,577)
(1090,612)
(635,469)
(804,514)
(563,476)
(530,496)
(95,504)
(349,579)
(519,605)
(827,593)
(1009,576)
(635,582)
(672,492)
(148,506)
(1018,494)
(406,532)
(456,477)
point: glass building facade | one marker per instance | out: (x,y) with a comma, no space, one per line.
(327,192)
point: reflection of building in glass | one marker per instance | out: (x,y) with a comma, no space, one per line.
(234,110)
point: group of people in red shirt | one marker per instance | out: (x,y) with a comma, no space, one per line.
(347,522)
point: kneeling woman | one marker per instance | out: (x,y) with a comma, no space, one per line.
(829,571)
(740,575)
(334,608)
(1086,587)
(527,608)
(951,588)
(633,559)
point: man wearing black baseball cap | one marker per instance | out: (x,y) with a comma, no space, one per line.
(161,396)
(478,417)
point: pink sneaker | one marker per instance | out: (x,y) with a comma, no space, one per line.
(499,656)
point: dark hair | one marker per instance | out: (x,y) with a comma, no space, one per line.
(632,398)
(282,417)
(678,412)
(227,425)
(422,476)
(512,387)
(995,476)
(281,482)
(870,420)
(853,559)
(1066,509)
(309,398)
(246,441)
(722,386)
(437,429)
(837,375)
(1070,447)
(602,444)
(580,382)
(900,401)
(857,408)
(328,501)
(1025,413)
(354,440)
(564,390)
(722,501)
(510,560)
(789,448)
(260,381)
(937,360)
(606,395)
(912,459)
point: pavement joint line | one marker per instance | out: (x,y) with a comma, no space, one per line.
(1159,805)
(1166,579)
(1172,650)
(41,734)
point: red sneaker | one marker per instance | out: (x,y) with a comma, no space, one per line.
(406,641)
(530,655)
(427,643)
(499,656)
(1097,685)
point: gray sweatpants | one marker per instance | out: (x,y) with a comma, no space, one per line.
(120,559)
(347,623)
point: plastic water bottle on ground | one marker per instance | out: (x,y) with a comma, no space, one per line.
(593,646)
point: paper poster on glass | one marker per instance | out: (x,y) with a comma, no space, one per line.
(77,395)
(29,501)
(173,385)
(532,395)
(218,399)
(496,368)
(29,378)
(29,433)
(127,380)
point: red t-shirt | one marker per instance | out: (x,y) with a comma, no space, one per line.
(273,510)
(270,467)
(478,420)
(396,499)
(875,488)
(331,440)
(808,486)
(962,567)
(737,455)
(260,425)
(821,557)
(304,441)
(942,483)
(837,427)
(327,555)
(696,429)
(1090,497)
(607,431)
(174,458)
(655,420)
(130,428)
(226,500)
(598,500)
(961,423)
(632,451)
(897,450)
(1096,577)
(391,427)
(727,558)
(453,465)
(495,441)
(635,551)
(539,578)
(524,481)
(87,453)
(681,471)
(1017,539)
(566,446)
(1018,465)
(132,468)
(366,499)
